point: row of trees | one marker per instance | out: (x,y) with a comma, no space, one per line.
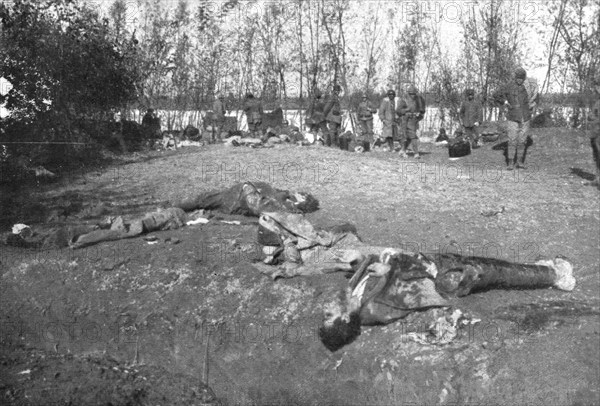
(283,50)
(67,58)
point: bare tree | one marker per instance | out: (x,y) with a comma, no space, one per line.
(492,35)
(373,43)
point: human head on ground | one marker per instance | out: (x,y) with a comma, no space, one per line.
(341,324)
(520,75)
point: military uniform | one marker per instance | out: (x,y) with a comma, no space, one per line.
(254,112)
(365,118)
(387,115)
(411,111)
(595,137)
(520,107)
(316,115)
(218,118)
(471,115)
(333,115)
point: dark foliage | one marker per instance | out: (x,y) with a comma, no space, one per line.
(64,64)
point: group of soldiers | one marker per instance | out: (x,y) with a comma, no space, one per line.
(400,120)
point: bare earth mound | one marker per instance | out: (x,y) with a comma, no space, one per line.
(127,322)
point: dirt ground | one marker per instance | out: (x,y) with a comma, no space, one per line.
(127,322)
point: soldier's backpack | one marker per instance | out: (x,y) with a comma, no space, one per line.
(459,147)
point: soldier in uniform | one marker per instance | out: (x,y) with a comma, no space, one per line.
(411,111)
(365,118)
(254,112)
(520,105)
(316,114)
(387,115)
(333,115)
(151,126)
(594,117)
(218,116)
(471,115)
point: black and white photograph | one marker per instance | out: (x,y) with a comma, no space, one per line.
(299,202)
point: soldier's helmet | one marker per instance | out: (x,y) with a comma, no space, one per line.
(337,88)
(318,93)
(470,92)
(412,89)
(391,93)
(520,73)
(249,95)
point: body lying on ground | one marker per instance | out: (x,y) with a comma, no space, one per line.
(250,199)
(388,284)
(391,286)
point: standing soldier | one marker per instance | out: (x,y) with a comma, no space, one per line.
(411,110)
(218,116)
(365,118)
(316,115)
(333,115)
(515,97)
(471,115)
(254,111)
(387,115)
(594,118)
(151,127)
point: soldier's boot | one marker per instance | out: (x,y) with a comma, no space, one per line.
(403,148)
(415,146)
(507,160)
(336,137)
(390,142)
(520,150)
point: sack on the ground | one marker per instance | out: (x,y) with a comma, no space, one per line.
(459,148)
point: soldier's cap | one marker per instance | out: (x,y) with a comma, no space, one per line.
(412,89)
(469,92)
(520,73)
(391,92)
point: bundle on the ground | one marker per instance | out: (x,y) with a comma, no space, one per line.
(251,199)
